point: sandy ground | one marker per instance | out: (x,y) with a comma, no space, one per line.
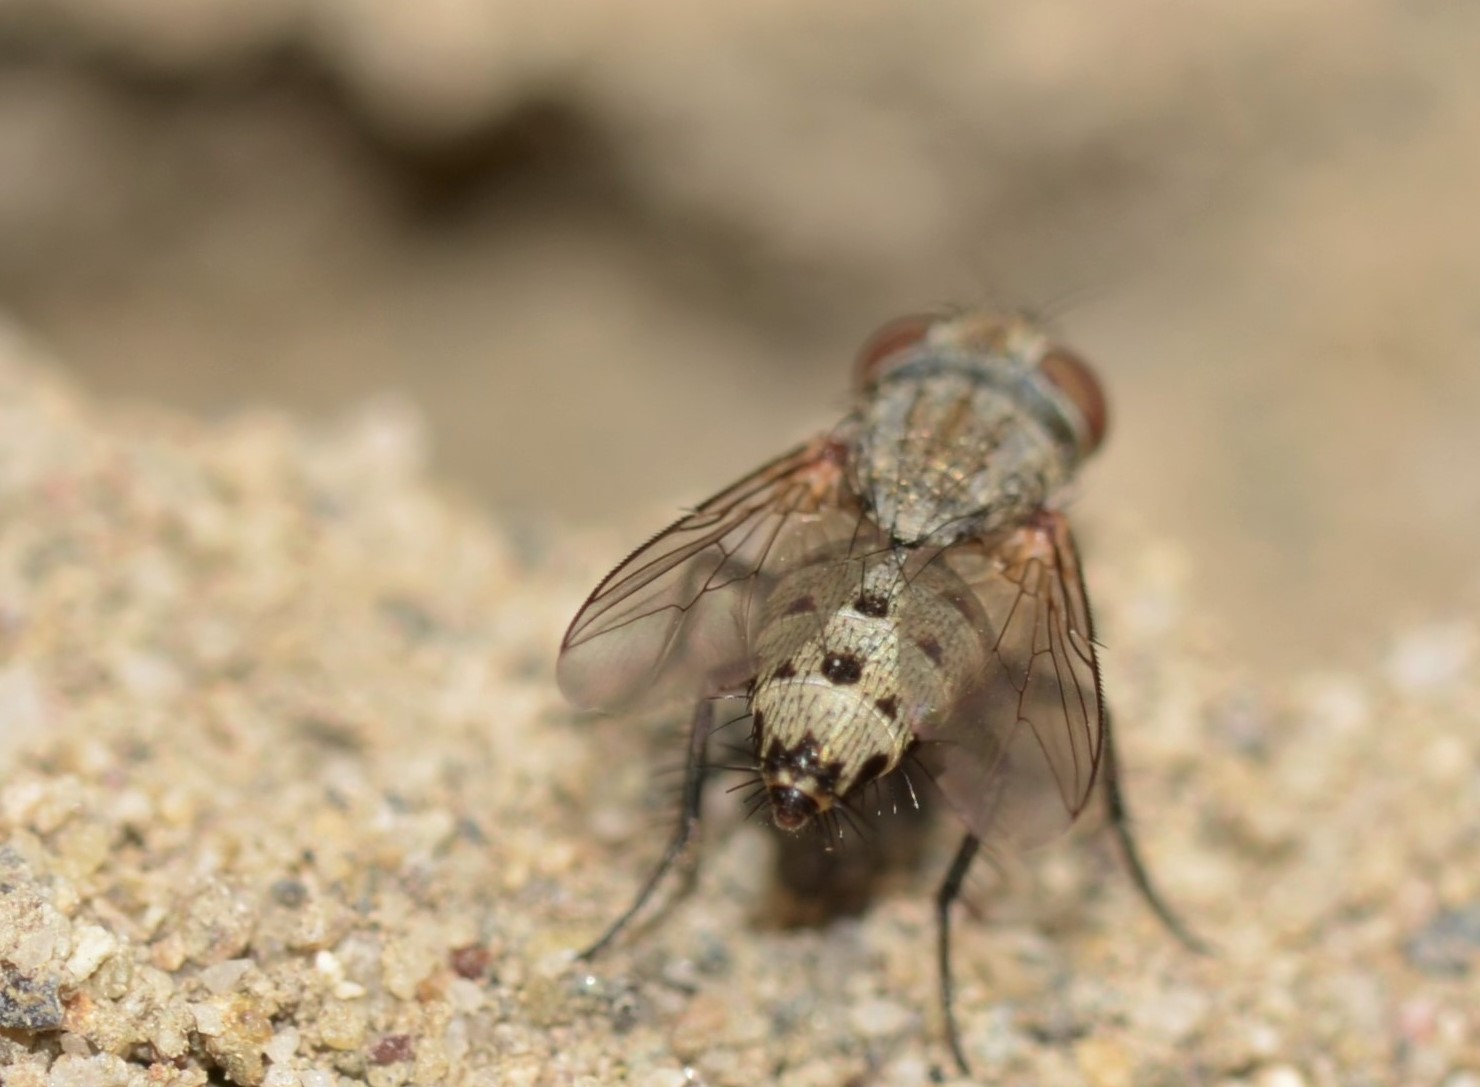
(286,791)
(290,799)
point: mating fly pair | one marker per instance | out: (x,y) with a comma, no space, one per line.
(901,589)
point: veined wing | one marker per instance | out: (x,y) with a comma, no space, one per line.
(1018,754)
(676,616)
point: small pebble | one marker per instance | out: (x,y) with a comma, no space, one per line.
(224,977)
(209,1019)
(1105,1062)
(29,1004)
(1279,1075)
(879,1018)
(283,1045)
(1431,657)
(1448,946)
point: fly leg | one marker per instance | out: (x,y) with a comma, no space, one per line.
(688,823)
(1120,824)
(950,889)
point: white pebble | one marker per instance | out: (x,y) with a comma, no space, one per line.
(1279,1075)
(103,1070)
(48,940)
(1432,656)
(20,799)
(878,1018)
(224,977)
(281,1047)
(1336,703)
(465,995)
(91,945)
(208,1020)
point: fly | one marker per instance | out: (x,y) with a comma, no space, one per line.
(902,589)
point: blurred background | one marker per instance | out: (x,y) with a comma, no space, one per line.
(620,252)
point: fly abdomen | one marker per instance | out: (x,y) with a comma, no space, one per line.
(854,654)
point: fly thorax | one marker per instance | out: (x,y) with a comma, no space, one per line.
(845,678)
(947,451)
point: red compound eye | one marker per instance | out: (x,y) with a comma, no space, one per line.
(886,347)
(1073,377)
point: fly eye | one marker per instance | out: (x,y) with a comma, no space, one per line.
(887,347)
(1072,376)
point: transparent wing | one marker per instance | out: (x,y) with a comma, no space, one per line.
(675,617)
(1018,754)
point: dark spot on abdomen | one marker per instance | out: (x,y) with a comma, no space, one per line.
(843,669)
(872,605)
(888,706)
